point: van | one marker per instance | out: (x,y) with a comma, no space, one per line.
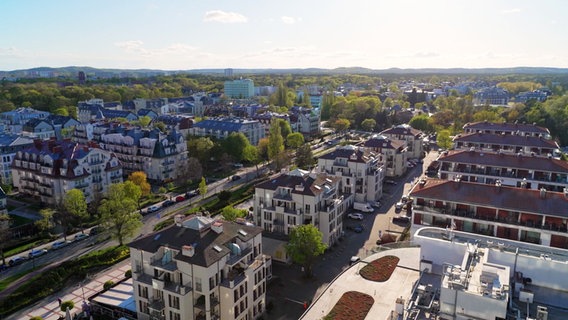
(362,206)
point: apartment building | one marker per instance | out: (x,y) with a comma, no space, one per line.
(361,172)
(222,127)
(162,156)
(515,170)
(413,137)
(9,145)
(508,143)
(307,121)
(519,129)
(297,198)
(525,215)
(201,269)
(393,153)
(491,96)
(14,120)
(50,168)
(239,89)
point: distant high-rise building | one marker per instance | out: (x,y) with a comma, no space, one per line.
(228,72)
(239,89)
(81,76)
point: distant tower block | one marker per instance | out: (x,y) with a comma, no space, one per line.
(228,72)
(81,76)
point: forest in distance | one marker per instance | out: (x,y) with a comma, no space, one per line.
(363,103)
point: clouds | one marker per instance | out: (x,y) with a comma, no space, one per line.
(224,17)
(289,20)
(511,11)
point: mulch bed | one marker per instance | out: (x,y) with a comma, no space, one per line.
(352,305)
(379,270)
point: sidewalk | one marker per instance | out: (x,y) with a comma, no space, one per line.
(48,308)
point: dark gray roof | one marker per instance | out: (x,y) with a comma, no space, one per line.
(505,160)
(506,140)
(507,127)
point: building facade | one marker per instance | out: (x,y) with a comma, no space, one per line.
(413,137)
(239,89)
(50,168)
(525,215)
(10,144)
(222,127)
(519,129)
(491,96)
(200,269)
(393,153)
(507,143)
(297,198)
(361,172)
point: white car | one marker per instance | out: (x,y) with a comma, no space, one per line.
(376,204)
(354,260)
(356,216)
(153,209)
(80,236)
(398,206)
(59,244)
(37,252)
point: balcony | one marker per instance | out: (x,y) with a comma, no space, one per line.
(234,278)
(168,266)
(157,305)
(177,288)
(234,259)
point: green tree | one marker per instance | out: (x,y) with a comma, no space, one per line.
(203,187)
(294,140)
(275,145)
(69,304)
(75,210)
(285,128)
(305,245)
(144,121)
(262,148)
(118,213)
(201,148)
(4,234)
(235,144)
(368,124)
(133,191)
(444,140)
(422,122)
(140,179)
(304,157)
(45,224)
(230,213)
(341,125)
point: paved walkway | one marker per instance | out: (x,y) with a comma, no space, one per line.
(48,308)
(384,293)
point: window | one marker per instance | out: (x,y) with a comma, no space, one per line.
(174,316)
(173,301)
(308,209)
(142,291)
(198,284)
(143,306)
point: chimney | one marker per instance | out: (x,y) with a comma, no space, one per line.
(543,193)
(178,218)
(187,251)
(217,227)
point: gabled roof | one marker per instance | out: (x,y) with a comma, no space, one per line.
(508,127)
(506,160)
(197,232)
(507,140)
(380,141)
(507,198)
(403,129)
(301,182)
(351,153)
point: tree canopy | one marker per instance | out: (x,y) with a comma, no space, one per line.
(118,212)
(305,245)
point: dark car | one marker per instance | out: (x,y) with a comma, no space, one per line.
(16,260)
(390,181)
(190,194)
(235,178)
(401,219)
(358,229)
(168,203)
(95,230)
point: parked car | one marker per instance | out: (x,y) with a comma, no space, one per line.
(153,208)
(3,267)
(80,236)
(376,204)
(59,244)
(354,260)
(191,194)
(235,178)
(237,165)
(168,203)
(16,260)
(390,181)
(180,198)
(358,229)
(95,230)
(356,216)
(401,219)
(37,252)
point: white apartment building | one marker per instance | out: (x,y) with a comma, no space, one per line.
(50,168)
(394,154)
(361,172)
(201,269)
(297,198)
(413,137)
(222,127)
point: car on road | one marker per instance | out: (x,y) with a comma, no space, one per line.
(95,230)
(235,178)
(180,198)
(353,260)
(80,236)
(153,208)
(3,267)
(191,194)
(401,219)
(358,229)
(356,216)
(390,181)
(376,204)
(59,244)
(398,206)
(168,203)
(37,252)
(16,260)
(237,165)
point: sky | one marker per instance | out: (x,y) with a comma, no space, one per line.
(195,34)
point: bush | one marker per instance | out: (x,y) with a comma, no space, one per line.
(128,273)
(108,284)
(36,318)
(67,304)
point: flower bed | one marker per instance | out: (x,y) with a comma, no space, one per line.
(379,270)
(352,305)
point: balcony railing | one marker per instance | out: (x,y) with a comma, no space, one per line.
(238,257)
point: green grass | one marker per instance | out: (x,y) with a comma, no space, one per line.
(5,282)
(24,247)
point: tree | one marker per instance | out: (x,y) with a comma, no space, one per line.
(368,124)
(4,234)
(230,213)
(133,191)
(235,144)
(294,140)
(422,122)
(140,179)
(46,222)
(118,213)
(444,141)
(341,124)
(194,169)
(144,121)
(262,148)
(305,245)
(74,210)
(201,148)
(304,157)
(67,305)
(203,187)
(285,128)
(275,145)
